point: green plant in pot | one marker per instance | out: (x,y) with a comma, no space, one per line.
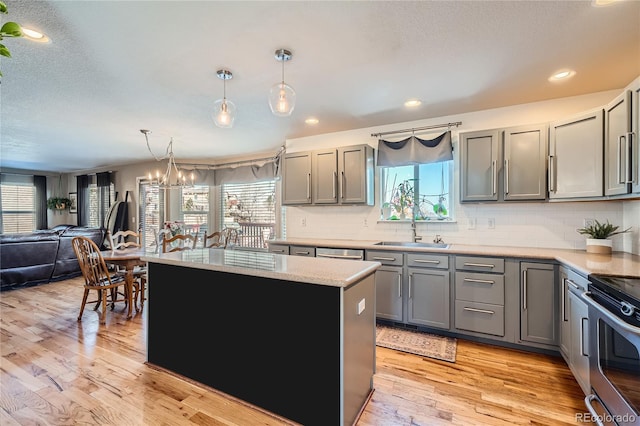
(599,236)
(58,203)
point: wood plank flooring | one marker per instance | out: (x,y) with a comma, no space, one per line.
(57,371)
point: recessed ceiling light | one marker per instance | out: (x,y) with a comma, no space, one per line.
(562,75)
(34,35)
(598,3)
(411,103)
(312,120)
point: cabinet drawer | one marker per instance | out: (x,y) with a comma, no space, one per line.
(478,287)
(385,257)
(479,317)
(428,260)
(302,251)
(279,248)
(482,264)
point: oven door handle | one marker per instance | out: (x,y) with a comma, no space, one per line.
(594,414)
(586,296)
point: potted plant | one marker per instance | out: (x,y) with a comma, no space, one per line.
(599,234)
(58,203)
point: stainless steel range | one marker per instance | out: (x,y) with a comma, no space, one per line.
(614,350)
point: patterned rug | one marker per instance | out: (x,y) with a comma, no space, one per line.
(417,342)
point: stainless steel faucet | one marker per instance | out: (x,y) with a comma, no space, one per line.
(438,239)
(416,238)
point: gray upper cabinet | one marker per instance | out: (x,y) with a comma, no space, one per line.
(525,159)
(296,180)
(617,137)
(479,162)
(576,156)
(504,164)
(539,305)
(635,144)
(332,176)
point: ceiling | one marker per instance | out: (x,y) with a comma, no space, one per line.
(115,67)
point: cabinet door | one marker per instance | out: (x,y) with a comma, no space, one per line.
(324,171)
(355,169)
(635,142)
(525,163)
(576,156)
(296,180)
(579,361)
(539,304)
(389,293)
(278,248)
(302,251)
(479,164)
(617,128)
(565,325)
(428,297)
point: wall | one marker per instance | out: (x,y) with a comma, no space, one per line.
(542,224)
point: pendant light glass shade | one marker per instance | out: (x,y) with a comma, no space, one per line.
(224,111)
(282,97)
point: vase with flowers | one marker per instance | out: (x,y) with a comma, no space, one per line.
(175,227)
(402,199)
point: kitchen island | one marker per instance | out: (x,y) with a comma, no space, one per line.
(292,335)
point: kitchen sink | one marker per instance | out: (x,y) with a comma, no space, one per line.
(410,244)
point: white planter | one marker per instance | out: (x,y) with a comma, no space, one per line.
(599,246)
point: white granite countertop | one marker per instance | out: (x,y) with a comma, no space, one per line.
(331,272)
(618,263)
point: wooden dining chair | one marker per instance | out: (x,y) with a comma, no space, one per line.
(130,239)
(97,277)
(215,239)
(183,242)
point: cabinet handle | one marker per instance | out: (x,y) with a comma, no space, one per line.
(391,259)
(278,251)
(582,327)
(573,284)
(308,186)
(550,175)
(306,253)
(335,183)
(635,156)
(399,285)
(339,256)
(622,159)
(506,176)
(482,311)
(480,265)
(629,160)
(472,280)
(524,289)
(435,262)
(563,299)
(342,185)
(410,276)
(494,171)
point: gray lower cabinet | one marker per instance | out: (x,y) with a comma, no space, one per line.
(389,284)
(539,305)
(480,295)
(428,290)
(574,331)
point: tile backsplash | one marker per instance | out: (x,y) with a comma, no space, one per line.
(552,225)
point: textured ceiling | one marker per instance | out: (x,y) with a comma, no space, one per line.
(115,67)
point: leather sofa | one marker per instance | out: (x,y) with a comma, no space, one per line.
(42,256)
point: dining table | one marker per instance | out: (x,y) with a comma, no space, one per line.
(128,259)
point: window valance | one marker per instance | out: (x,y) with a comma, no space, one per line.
(414,150)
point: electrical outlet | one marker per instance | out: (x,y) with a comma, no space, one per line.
(303,221)
(472,223)
(491,222)
(587,222)
(365,222)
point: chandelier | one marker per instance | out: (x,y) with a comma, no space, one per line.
(173,177)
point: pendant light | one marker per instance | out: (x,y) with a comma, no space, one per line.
(282,97)
(224,111)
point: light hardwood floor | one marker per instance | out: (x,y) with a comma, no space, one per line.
(57,371)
